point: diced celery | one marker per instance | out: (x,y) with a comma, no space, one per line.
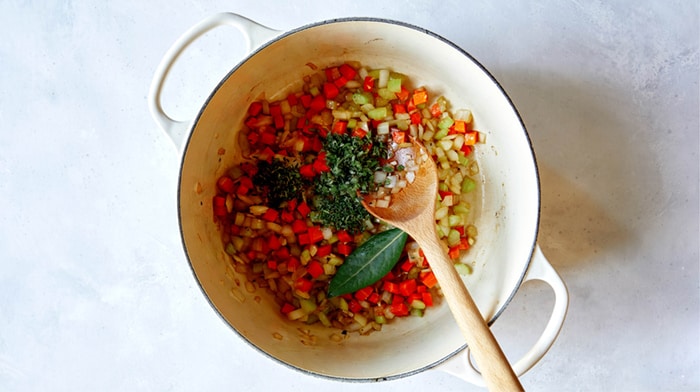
(417,304)
(378,113)
(386,93)
(463,269)
(394,85)
(362,98)
(309,305)
(446,122)
(441,133)
(455,220)
(417,312)
(453,237)
(352,123)
(380,319)
(468,185)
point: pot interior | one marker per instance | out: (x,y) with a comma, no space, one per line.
(506,212)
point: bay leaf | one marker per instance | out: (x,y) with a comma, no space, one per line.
(371,261)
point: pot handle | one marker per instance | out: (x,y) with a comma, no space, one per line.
(255,35)
(540,269)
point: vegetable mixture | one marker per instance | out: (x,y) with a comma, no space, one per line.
(290,214)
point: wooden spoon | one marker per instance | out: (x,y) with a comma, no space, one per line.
(413,210)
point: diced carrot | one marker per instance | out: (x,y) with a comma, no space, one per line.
(420,96)
(471,138)
(454,252)
(459,126)
(435,110)
(359,132)
(339,127)
(398,137)
(428,279)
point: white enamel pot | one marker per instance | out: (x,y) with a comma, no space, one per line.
(506,253)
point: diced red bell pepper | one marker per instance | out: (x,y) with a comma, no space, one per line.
(315,234)
(271,215)
(318,103)
(273,242)
(407,287)
(287,308)
(340,82)
(324,250)
(287,216)
(220,206)
(299,226)
(319,165)
(332,73)
(255,108)
(374,298)
(399,108)
(343,236)
(416,118)
(403,94)
(272,264)
(292,99)
(354,306)
(364,293)
(344,248)
(303,209)
(427,299)
(303,285)
(368,83)
(293,263)
(314,268)
(407,265)
(330,91)
(399,309)
(390,287)
(347,71)
(303,239)
(306,100)
(307,170)
(226,184)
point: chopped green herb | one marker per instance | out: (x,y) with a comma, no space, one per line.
(352,162)
(280,181)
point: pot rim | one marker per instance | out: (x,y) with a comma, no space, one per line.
(387,21)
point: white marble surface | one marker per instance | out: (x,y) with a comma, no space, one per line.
(95,290)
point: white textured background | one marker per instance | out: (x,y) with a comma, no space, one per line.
(96,293)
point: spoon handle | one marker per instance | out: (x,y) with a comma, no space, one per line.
(493,364)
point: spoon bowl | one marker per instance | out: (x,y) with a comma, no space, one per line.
(412,210)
